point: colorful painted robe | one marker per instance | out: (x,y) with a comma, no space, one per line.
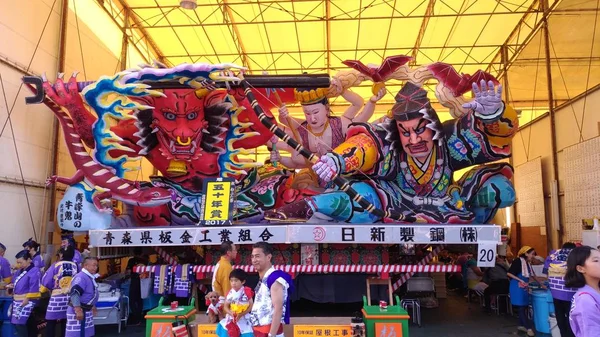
(390,179)
(57,280)
(26,285)
(84,285)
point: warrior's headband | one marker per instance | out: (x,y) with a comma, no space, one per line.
(410,101)
(308,96)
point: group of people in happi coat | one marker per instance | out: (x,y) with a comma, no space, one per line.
(242,311)
(69,286)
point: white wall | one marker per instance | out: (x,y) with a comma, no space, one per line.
(21,25)
(32,124)
(534,140)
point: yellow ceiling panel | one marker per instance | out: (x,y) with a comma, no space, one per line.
(343,35)
(288,62)
(394,52)
(282,37)
(404,32)
(151,16)
(275,11)
(314,60)
(260,62)
(300,10)
(437,32)
(409,8)
(373,33)
(254,38)
(377,10)
(450,7)
(345,9)
(220,37)
(245,13)
(467,28)
(312,36)
(209,14)
(498,29)
(338,57)
(195,40)
(146,3)
(169,41)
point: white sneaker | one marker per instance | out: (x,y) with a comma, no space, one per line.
(530,333)
(521,329)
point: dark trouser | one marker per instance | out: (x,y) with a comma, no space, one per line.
(22,330)
(495,288)
(562,309)
(136,303)
(523,318)
(51,327)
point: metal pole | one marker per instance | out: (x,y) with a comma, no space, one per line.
(551,111)
(505,65)
(62,52)
(124,42)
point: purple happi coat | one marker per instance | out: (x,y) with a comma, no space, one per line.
(85,285)
(37,261)
(183,280)
(5,274)
(57,280)
(77,257)
(162,280)
(27,285)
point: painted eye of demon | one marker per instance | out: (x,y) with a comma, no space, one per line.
(192,115)
(169,115)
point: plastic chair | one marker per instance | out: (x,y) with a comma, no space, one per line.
(415,305)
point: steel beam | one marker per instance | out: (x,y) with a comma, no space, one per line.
(424,23)
(137,24)
(62,55)
(341,19)
(546,35)
(235,33)
(101,3)
(124,42)
(328,33)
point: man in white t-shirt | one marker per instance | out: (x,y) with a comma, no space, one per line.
(271,307)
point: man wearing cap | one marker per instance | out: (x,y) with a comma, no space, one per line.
(5,273)
(410,160)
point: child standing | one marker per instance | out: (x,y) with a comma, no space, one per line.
(583,273)
(238,304)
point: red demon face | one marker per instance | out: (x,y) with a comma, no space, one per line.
(178,121)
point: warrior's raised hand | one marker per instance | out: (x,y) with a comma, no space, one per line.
(488,100)
(326,168)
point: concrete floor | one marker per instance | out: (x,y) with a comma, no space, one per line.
(453,318)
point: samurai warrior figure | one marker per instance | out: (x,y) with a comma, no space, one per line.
(406,164)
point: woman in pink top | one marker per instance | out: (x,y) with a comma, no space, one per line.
(583,272)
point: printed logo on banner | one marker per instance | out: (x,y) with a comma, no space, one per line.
(388,329)
(319,234)
(217,202)
(322,330)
